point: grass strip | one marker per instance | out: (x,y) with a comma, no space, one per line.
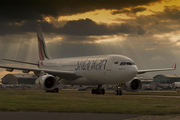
(84,102)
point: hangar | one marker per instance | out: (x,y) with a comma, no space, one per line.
(19,79)
(166,79)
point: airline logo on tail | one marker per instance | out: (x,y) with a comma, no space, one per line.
(43,53)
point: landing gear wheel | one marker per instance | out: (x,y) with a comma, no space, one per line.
(98,90)
(93,91)
(118,92)
(56,90)
(102,91)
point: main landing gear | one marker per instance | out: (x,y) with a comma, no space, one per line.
(98,90)
(56,90)
(118,91)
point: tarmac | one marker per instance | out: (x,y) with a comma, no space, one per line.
(81,116)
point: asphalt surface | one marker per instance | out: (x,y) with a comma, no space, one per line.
(62,116)
(81,116)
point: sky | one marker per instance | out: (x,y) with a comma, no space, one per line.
(147,31)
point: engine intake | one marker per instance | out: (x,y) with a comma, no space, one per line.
(134,85)
(49,82)
(46,82)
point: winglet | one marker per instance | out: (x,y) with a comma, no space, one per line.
(174,66)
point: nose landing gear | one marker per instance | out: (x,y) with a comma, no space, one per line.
(118,90)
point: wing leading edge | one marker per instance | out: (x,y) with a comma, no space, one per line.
(68,75)
(153,70)
(21,62)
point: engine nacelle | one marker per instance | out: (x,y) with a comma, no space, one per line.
(46,82)
(133,86)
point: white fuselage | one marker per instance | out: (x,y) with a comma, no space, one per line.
(104,69)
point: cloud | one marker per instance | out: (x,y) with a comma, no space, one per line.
(87,27)
(19,10)
(157,58)
(170,12)
(163,22)
(132,11)
(82,27)
(28,26)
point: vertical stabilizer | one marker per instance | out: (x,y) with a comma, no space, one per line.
(43,53)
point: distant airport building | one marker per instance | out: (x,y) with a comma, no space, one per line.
(19,79)
(166,79)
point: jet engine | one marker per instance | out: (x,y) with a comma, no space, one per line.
(46,82)
(133,86)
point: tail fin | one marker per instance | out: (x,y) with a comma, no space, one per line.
(43,53)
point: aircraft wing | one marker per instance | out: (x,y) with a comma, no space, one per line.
(153,70)
(21,62)
(68,75)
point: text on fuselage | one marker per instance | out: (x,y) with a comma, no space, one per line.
(91,65)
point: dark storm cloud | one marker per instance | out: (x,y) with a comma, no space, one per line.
(88,27)
(19,10)
(131,11)
(29,26)
(82,27)
(166,21)
(170,12)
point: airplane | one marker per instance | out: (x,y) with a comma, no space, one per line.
(88,70)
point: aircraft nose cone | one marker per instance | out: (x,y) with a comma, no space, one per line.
(133,70)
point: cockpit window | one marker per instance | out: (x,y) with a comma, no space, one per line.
(127,63)
(133,63)
(122,63)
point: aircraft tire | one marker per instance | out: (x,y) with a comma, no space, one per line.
(97,91)
(93,91)
(102,91)
(118,92)
(56,90)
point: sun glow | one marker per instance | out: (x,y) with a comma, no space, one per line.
(158,7)
(105,38)
(99,16)
(173,37)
